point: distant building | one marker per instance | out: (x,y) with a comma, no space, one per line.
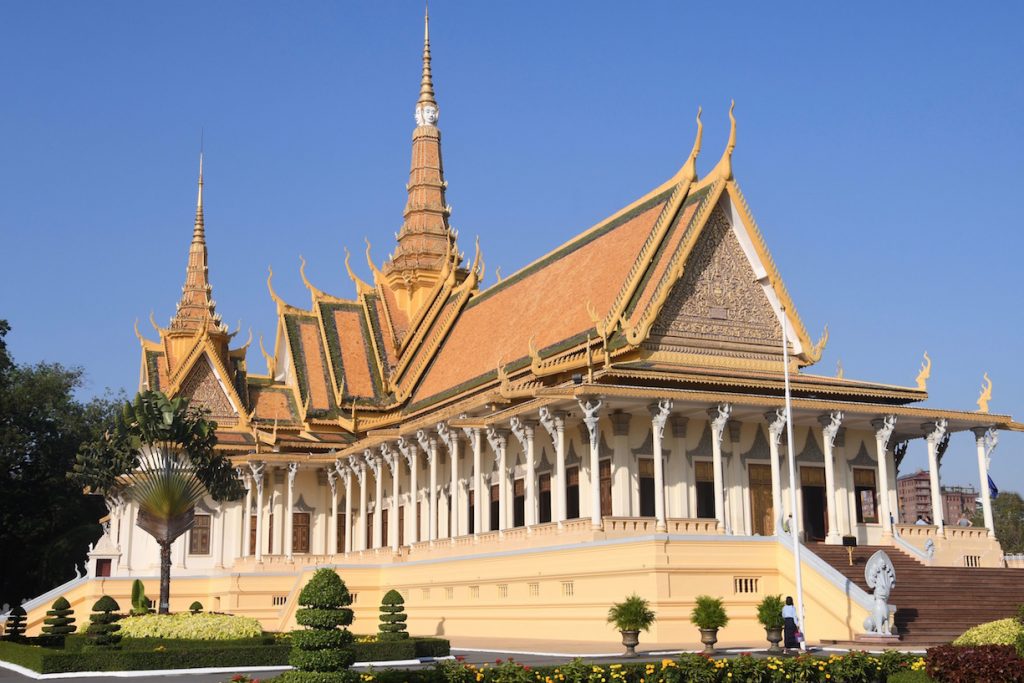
(914,497)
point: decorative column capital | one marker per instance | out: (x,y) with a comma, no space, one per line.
(408,451)
(659,416)
(719,417)
(884,427)
(344,472)
(390,458)
(449,436)
(498,438)
(840,437)
(257,467)
(830,427)
(590,409)
(553,421)
(934,431)
(332,479)
(470,432)
(776,424)
(293,469)
(427,442)
(620,422)
(522,430)
(372,462)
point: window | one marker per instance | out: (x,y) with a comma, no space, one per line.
(534,589)
(103,566)
(474,592)
(545,498)
(502,590)
(572,492)
(300,532)
(645,469)
(744,584)
(864,489)
(568,589)
(449,593)
(425,593)
(704,475)
(199,537)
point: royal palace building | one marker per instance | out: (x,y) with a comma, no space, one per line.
(513,461)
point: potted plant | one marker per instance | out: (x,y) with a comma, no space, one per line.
(709,615)
(631,616)
(769,613)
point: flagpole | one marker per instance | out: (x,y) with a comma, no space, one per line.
(794,525)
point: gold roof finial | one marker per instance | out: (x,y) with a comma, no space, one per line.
(723,170)
(689,170)
(199,232)
(426,105)
(925,372)
(986,394)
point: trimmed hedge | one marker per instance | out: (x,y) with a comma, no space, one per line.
(185,625)
(399,650)
(48,660)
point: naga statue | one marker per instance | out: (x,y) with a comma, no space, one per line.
(881,576)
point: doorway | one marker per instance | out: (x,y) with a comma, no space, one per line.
(519,503)
(812,487)
(761,513)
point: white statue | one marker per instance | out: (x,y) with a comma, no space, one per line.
(881,576)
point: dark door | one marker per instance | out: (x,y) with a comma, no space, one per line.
(812,484)
(495,508)
(705,477)
(401,525)
(605,470)
(519,503)
(544,499)
(300,532)
(572,492)
(341,532)
(646,471)
(472,512)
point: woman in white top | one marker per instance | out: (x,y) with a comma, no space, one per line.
(790,625)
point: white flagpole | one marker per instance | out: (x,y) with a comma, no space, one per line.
(794,525)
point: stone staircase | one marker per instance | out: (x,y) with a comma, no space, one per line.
(934,604)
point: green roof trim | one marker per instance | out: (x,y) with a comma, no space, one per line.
(152,372)
(334,346)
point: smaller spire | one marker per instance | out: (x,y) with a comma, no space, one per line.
(426,105)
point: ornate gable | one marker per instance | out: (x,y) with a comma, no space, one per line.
(718,303)
(203,388)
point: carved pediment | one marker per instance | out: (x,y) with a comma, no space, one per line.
(718,298)
(203,389)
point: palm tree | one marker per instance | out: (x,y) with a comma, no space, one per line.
(160,453)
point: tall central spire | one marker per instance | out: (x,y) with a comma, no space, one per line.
(425,240)
(196,307)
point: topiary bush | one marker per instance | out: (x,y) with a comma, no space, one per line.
(14,629)
(188,626)
(140,603)
(102,629)
(392,617)
(318,651)
(196,607)
(58,624)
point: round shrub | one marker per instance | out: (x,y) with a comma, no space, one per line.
(392,616)
(102,630)
(59,622)
(318,649)
(203,626)
(1000,632)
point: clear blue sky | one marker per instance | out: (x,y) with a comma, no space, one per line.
(880,148)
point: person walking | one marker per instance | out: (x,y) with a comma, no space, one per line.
(790,625)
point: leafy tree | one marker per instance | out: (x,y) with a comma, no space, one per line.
(160,452)
(59,622)
(42,425)
(140,603)
(102,630)
(392,617)
(1008,516)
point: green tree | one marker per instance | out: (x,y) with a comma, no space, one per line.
(1008,517)
(392,617)
(318,650)
(102,627)
(160,453)
(46,525)
(59,622)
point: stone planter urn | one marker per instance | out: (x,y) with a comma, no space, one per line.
(709,636)
(774,636)
(630,639)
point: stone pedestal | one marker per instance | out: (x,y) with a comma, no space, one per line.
(875,639)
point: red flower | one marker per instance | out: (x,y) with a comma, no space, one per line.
(237,677)
(498,660)
(526,667)
(460,658)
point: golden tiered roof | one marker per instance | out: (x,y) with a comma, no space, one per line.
(675,293)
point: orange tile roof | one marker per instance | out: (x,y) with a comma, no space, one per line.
(355,357)
(273,403)
(547,301)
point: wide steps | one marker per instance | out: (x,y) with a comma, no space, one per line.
(930,601)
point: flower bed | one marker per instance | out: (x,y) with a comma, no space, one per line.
(185,625)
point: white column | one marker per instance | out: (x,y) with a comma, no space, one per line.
(776,424)
(346,475)
(332,523)
(222,511)
(554,423)
(408,451)
(829,428)
(428,445)
(659,415)
(293,468)
(843,476)
(719,418)
(986,440)
(499,444)
(478,483)
(373,462)
(450,437)
(359,470)
(622,480)
(523,430)
(934,433)
(591,420)
(679,423)
(391,460)
(257,468)
(883,432)
(247,516)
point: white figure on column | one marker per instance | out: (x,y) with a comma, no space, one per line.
(591,420)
